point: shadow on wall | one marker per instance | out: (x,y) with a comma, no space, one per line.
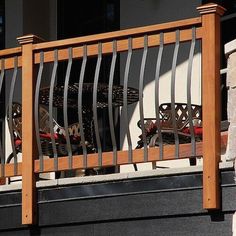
(153,12)
(165,83)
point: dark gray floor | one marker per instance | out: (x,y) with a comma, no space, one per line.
(148,206)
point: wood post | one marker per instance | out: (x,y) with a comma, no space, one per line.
(29,148)
(211,103)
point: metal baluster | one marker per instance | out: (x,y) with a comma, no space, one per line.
(125,99)
(65,107)
(157,101)
(1,143)
(189,74)
(36,110)
(80,104)
(173,111)
(12,87)
(95,87)
(141,78)
(51,125)
(110,108)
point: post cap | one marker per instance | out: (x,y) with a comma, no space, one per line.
(211,8)
(30,38)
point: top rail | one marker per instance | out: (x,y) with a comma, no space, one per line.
(10,52)
(119,34)
(8,56)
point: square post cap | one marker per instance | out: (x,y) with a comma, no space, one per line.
(30,38)
(211,8)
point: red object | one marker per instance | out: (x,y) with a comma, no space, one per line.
(197,130)
(48,135)
(18,142)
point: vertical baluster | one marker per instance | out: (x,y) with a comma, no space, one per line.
(125,99)
(51,123)
(80,105)
(189,75)
(36,110)
(110,108)
(10,115)
(65,107)
(1,143)
(157,101)
(141,78)
(95,88)
(173,111)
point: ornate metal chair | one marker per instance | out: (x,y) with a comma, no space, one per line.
(167,128)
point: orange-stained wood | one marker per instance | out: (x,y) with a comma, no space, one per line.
(10,52)
(29,150)
(9,169)
(169,152)
(106,38)
(8,56)
(122,158)
(211,103)
(9,62)
(65,43)
(122,45)
(120,36)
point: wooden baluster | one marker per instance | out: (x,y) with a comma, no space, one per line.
(211,103)
(29,147)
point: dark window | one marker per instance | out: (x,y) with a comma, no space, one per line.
(78,18)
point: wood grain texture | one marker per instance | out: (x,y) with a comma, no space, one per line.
(211,105)
(169,150)
(122,45)
(118,34)
(9,63)
(10,52)
(122,158)
(29,150)
(8,56)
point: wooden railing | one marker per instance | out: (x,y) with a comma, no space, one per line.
(33,54)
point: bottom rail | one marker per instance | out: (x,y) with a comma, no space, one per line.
(122,158)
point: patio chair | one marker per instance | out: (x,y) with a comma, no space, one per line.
(45,135)
(167,128)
